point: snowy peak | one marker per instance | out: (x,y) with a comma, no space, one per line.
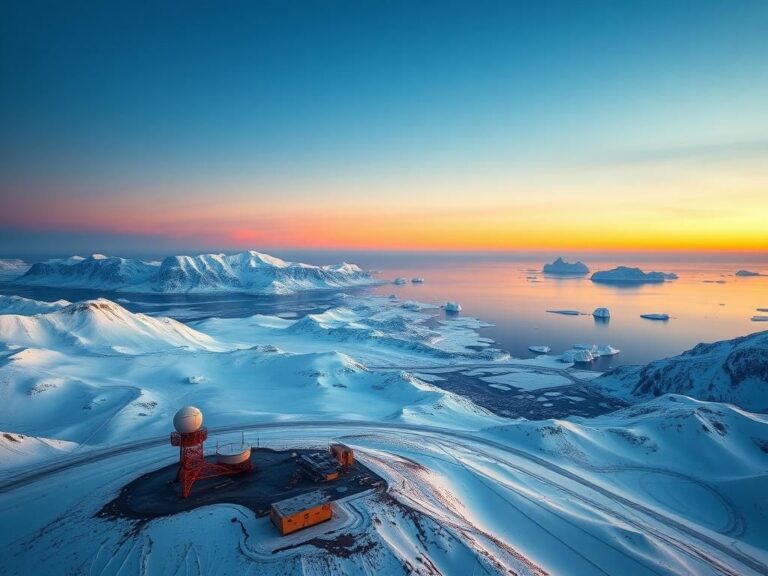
(734,371)
(249,271)
(101,326)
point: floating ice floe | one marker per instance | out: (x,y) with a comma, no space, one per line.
(451,306)
(566,312)
(417,280)
(655,316)
(759,318)
(539,349)
(601,313)
(411,305)
(400,281)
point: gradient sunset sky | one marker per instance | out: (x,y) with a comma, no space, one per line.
(128,126)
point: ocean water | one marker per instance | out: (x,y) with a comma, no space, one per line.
(707,303)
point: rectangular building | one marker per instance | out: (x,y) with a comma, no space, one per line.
(320,466)
(301,511)
(344,454)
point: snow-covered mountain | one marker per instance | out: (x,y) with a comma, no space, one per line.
(96,271)
(627,275)
(28,307)
(734,371)
(250,271)
(99,326)
(11,268)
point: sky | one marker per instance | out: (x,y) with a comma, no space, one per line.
(388,125)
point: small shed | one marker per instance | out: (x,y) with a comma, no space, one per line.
(343,454)
(301,511)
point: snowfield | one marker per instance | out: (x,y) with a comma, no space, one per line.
(250,272)
(668,485)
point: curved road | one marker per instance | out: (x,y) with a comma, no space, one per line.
(731,552)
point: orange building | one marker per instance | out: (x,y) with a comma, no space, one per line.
(343,454)
(301,511)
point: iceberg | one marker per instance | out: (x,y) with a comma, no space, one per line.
(627,275)
(452,307)
(539,349)
(400,281)
(747,273)
(577,355)
(607,350)
(655,316)
(564,268)
(601,313)
(759,318)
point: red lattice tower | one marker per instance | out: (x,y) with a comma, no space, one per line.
(192,463)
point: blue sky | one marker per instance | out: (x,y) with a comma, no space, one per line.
(324,105)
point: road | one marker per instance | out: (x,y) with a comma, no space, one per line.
(694,543)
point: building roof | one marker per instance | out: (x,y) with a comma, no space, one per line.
(299,503)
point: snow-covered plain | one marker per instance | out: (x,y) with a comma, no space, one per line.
(670,485)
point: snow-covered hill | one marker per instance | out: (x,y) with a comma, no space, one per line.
(99,326)
(734,371)
(251,272)
(28,307)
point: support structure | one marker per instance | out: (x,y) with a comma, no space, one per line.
(192,463)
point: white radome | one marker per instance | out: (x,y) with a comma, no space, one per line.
(188,419)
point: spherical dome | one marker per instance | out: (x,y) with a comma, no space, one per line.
(601,313)
(188,419)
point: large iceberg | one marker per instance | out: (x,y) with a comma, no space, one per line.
(746,273)
(627,275)
(564,268)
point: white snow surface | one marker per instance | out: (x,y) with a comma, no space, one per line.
(251,272)
(670,485)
